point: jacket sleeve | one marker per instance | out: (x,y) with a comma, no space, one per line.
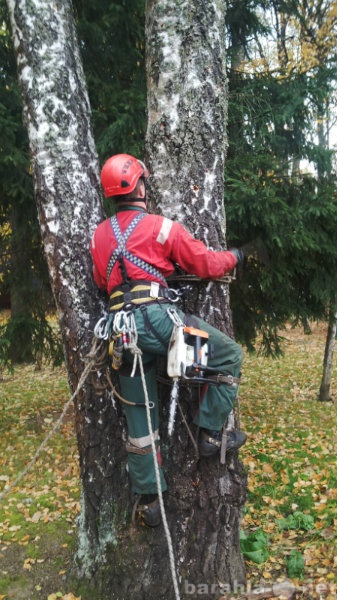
(195,258)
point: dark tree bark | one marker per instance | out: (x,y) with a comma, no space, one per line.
(186,142)
(20,294)
(325,387)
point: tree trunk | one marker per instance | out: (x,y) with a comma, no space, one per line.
(186,142)
(67,189)
(324,390)
(20,349)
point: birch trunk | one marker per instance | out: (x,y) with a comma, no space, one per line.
(186,144)
(67,189)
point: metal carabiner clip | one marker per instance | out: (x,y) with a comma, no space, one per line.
(175,295)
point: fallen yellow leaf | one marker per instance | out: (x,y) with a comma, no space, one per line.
(27,565)
(266,575)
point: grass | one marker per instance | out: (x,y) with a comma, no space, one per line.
(290,457)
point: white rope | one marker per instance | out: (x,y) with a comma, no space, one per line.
(138,355)
(102,328)
(42,446)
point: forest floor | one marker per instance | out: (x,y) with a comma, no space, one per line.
(289,528)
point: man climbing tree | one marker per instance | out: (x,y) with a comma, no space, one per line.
(133,254)
(185,148)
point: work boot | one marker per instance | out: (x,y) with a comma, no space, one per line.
(210,442)
(149,509)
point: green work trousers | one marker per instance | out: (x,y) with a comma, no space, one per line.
(216,404)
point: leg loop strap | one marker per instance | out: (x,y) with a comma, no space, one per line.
(135,450)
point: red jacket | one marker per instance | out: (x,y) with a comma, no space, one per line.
(159,242)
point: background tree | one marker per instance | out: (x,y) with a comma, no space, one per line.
(269,196)
(24,281)
(112,46)
(325,386)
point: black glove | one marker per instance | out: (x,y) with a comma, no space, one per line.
(239,254)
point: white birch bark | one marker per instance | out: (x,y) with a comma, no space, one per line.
(186,144)
(66,179)
(186,138)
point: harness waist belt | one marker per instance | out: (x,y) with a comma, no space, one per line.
(139,294)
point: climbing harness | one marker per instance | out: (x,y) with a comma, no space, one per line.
(135,292)
(127,296)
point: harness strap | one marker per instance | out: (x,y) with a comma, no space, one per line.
(121,251)
(135,450)
(121,239)
(139,292)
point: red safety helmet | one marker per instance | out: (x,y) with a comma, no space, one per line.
(120,174)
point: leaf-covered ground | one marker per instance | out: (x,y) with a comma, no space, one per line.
(292,466)
(38,517)
(289,523)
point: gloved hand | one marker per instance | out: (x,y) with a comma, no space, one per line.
(239,254)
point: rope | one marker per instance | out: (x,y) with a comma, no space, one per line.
(115,393)
(160,492)
(83,378)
